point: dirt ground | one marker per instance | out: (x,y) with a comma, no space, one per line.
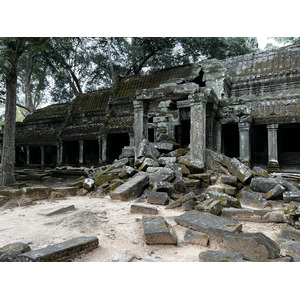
(119,232)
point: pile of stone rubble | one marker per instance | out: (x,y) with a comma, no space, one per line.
(214,199)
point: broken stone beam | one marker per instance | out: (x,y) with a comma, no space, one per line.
(131,189)
(158,231)
(207,223)
(65,251)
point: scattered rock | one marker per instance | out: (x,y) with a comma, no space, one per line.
(291,196)
(212,206)
(196,238)
(65,251)
(160,198)
(57,210)
(131,189)
(207,223)
(9,252)
(276,192)
(228,179)
(143,209)
(264,185)
(88,184)
(220,256)
(290,235)
(158,231)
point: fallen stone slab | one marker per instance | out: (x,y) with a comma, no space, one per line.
(188,205)
(131,189)
(291,248)
(239,170)
(163,146)
(207,223)
(250,198)
(225,199)
(290,235)
(65,190)
(211,206)
(264,185)
(148,162)
(228,179)
(192,165)
(166,160)
(146,149)
(260,171)
(275,192)
(57,210)
(36,192)
(158,198)
(158,231)
(291,196)
(164,186)
(220,256)
(181,200)
(143,209)
(253,246)
(164,174)
(244,214)
(65,251)
(196,238)
(8,253)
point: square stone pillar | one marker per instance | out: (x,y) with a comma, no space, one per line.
(244,139)
(81,145)
(131,139)
(140,126)
(198,128)
(27,155)
(59,153)
(42,156)
(104,147)
(273,164)
(100,149)
(217,136)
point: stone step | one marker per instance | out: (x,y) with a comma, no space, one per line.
(65,251)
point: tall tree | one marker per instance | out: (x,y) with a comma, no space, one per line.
(11,49)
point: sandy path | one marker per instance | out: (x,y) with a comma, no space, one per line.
(119,231)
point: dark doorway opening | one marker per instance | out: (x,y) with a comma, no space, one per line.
(182,133)
(35,155)
(259,145)
(71,153)
(230,140)
(289,145)
(91,152)
(50,155)
(151,134)
(115,144)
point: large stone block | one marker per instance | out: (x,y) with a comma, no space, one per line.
(291,248)
(212,206)
(146,149)
(290,235)
(65,190)
(220,256)
(291,196)
(253,246)
(37,192)
(276,192)
(160,198)
(239,170)
(164,186)
(143,209)
(196,238)
(148,162)
(9,252)
(65,251)
(244,214)
(225,199)
(57,210)
(131,189)
(264,185)
(207,223)
(158,231)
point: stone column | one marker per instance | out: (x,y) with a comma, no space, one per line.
(273,164)
(59,153)
(217,136)
(42,156)
(104,146)
(131,139)
(27,155)
(198,128)
(210,122)
(81,143)
(244,141)
(100,149)
(140,126)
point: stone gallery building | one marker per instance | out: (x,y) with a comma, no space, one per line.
(246,106)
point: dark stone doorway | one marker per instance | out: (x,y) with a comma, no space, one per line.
(115,144)
(230,140)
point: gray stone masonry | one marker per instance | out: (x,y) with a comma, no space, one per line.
(57,210)
(131,189)
(276,192)
(220,256)
(143,209)
(291,196)
(160,198)
(158,231)
(196,238)
(207,223)
(290,235)
(264,185)
(65,251)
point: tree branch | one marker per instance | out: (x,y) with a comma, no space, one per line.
(3,100)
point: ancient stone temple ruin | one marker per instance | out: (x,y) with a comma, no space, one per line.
(246,106)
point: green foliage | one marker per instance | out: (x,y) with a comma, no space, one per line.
(287,40)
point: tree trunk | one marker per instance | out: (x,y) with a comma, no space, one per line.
(8,151)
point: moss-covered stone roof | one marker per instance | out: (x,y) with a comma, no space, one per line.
(37,137)
(120,122)
(264,63)
(49,112)
(83,130)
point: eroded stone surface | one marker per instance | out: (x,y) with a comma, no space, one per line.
(220,256)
